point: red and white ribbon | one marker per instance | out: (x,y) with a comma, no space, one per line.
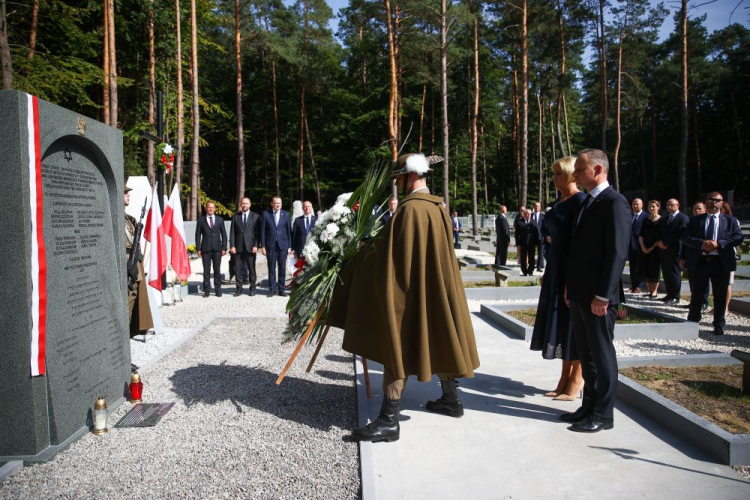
(38,258)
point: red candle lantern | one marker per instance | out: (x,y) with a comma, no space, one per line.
(136,388)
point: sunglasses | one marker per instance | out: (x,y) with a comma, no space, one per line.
(714,200)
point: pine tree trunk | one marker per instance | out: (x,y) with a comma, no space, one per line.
(105,66)
(151,96)
(474,133)
(421,116)
(541,138)
(179,156)
(682,157)
(240,131)
(301,146)
(516,133)
(618,111)
(698,173)
(444,101)
(561,79)
(112,66)
(500,176)
(32,37)
(393,97)
(312,163)
(603,76)
(276,128)
(485,184)
(567,131)
(6,63)
(266,156)
(524,107)
(194,146)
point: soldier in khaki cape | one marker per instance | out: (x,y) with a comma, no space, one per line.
(141,321)
(402,303)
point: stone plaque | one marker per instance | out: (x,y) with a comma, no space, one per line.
(80,302)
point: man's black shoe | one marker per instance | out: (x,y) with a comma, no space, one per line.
(594,423)
(580,414)
(252,292)
(672,302)
(384,428)
(686,306)
(238,293)
(206,294)
(449,404)
(271,294)
(282,293)
(718,331)
(218,293)
(666,298)
(704,307)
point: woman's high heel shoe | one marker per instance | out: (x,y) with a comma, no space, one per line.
(578,393)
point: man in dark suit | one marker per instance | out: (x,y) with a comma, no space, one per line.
(668,237)
(635,248)
(456,222)
(711,239)
(537,219)
(526,239)
(302,225)
(392,206)
(598,250)
(699,208)
(276,239)
(503,237)
(244,238)
(211,242)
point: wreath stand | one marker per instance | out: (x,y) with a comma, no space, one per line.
(317,351)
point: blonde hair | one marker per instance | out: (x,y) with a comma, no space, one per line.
(566,164)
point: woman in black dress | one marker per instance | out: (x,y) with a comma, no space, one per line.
(553,334)
(649,251)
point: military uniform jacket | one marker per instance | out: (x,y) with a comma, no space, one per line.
(402,301)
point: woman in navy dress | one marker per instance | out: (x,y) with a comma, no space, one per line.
(553,333)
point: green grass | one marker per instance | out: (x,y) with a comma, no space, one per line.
(532,282)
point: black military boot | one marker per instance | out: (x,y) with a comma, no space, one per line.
(448,404)
(384,428)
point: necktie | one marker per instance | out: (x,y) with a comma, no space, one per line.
(244,221)
(276,218)
(669,221)
(307,224)
(211,221)
(711,227)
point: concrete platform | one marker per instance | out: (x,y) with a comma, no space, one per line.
(510,443)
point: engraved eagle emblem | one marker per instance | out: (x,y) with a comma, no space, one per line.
(81,124)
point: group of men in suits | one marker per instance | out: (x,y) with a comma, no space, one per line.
(272,232)
(527,241)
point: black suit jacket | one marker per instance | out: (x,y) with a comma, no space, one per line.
(270,234)
(599,249)
(538,225)
(386,216)
(729,236)
(299,235)
(526,232)
(208,239)
(243,239)
(670,234)
(635,230)
(502,229)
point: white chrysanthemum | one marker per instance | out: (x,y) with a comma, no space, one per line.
(339,212)
(343,198)
(329,232)
(168,149)
(310,252)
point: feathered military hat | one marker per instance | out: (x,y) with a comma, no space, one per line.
(414,162)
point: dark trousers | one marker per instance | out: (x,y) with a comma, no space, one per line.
(527,259)
(709,269)
(211,257)
(691,281)
(501,253)
(594,337)
(540,258)
(455,238)
(276,267)
(670,270)
(240,260)
(635,275)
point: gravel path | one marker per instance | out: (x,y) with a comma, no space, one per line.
(232,432)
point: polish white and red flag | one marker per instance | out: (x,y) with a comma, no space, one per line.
(174,227)
(154,234)
(37,257)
